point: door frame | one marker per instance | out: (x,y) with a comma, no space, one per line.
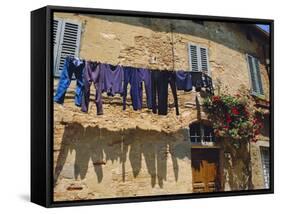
(220,162)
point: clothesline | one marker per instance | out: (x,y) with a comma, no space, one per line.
(114,79)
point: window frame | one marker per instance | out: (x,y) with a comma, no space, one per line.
(199,59)
(262,149)
(255,93)
(202,128)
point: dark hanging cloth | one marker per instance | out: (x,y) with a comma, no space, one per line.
(207,83)
(131,77)
(159,83)
(184,80)
(196,80)
(200,79)
(145,76)
(92,74)
(135,77)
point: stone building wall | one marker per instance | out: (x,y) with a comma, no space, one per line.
(121,153)
(146,42)
(129,153)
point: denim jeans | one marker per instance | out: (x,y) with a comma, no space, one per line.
(71,66)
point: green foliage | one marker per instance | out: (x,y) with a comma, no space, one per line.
(233,117)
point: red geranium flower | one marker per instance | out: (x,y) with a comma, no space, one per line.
(234,111)
(216,98)
(228,118)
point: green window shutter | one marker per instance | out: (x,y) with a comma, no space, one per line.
(193,57)
(69,43)
(255,75)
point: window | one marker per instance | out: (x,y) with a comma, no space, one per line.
(265,165)
(255,75)
(198,58)
(201,133)
(66,39)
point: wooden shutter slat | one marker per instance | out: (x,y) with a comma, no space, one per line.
(70,42)
(193,58)
(198,57)
(204,59)
(57,27)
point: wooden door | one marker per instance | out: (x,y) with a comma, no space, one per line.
(205,170)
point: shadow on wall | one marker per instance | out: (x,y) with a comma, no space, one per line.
(237,167)
(98,146)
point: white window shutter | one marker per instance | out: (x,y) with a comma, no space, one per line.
(193,57)
(69,43)
(204,60)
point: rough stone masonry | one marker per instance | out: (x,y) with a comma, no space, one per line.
(136,153)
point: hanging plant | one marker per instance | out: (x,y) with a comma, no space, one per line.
(233,117)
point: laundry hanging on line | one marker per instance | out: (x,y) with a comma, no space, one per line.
(186,80)
(71,66)
(106,78)
(114,79)
(160,81)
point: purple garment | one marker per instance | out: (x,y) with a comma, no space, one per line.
(92,74)
(184,80)
(112,79)
(135,77)
(130,76)
(146,78)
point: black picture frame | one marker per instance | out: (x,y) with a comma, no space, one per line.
(42,105)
